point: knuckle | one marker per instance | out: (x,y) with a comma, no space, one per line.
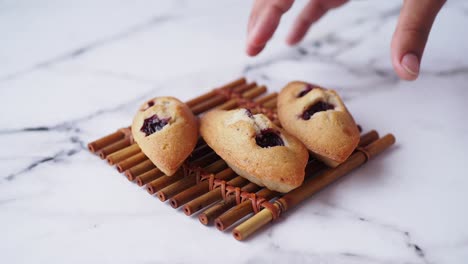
(417,30)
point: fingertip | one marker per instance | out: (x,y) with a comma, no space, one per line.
(249,51)
(410,64)
(298,32)
(254,40)
(291,40)
(407,68)
(254,50)
(411,35)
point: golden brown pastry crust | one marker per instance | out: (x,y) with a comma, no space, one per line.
(330,135)
(170,146)
(232,135)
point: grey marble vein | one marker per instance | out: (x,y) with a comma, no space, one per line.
(80,51)
(56,157)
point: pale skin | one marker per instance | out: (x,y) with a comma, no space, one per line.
(408,42)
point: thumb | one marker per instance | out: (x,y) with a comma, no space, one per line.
(411,34)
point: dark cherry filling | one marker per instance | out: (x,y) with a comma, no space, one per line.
(153,124)
(248,113)
(305,90)
(148,105)
(268,138)
(318,107)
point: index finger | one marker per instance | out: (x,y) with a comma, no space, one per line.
(264,20)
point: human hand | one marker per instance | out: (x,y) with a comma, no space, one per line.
(409,38)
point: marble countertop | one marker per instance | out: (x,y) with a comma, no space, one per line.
(71,72)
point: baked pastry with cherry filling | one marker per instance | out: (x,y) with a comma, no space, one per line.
(255,148)
(166,131)
(319,118)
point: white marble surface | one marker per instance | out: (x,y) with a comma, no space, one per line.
(71,72)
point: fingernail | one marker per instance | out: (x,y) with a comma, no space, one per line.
(410,63)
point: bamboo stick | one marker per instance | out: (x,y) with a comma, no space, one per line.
(218,209)
(130,162)
(368,138)
(269,97)
(114,147)
(257,91)
(211,197)
(208,104)
(139,169)
(245,87)
(171,190)
(251,225)
(152,174)
(105,141)
(206,96)
(225,220)
(271,103)
(312,186)
(123,154)
(178,186)
(164,181)
(200,151)
(206,160)
(232,103)
(199,189)
(135,172)
(196,160)
(247,90)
